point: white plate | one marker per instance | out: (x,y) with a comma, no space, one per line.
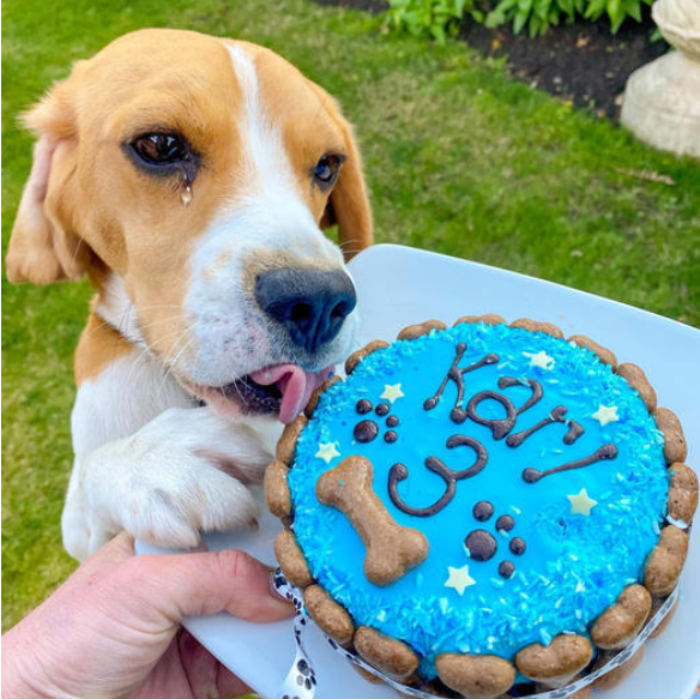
(398,286)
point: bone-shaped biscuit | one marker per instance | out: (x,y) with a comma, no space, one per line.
(537,327)
(621,622)
(604,354)
(635,377)
(475,675)
(392,549)
(418,330)
(362,353)
(487,319)
(555,665)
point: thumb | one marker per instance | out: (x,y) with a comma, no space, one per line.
(185,585)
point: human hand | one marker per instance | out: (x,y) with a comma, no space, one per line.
(113,628)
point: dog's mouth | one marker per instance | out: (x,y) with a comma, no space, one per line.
(282,389)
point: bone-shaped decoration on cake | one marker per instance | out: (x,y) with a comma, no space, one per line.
(392,549)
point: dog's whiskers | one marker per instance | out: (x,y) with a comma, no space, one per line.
(169,363)
(148,353)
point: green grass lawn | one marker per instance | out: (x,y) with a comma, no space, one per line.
(459,158)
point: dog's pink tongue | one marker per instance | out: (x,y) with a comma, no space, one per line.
(295,384)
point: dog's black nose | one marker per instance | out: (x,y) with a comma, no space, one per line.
(310,304)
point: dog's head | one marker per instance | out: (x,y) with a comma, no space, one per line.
(190,178)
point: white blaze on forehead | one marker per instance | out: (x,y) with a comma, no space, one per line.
(268,210)
(267,164)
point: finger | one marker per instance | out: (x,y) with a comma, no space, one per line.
(199,666)
(230,686)
(207,677)
(114,552)
(101,565)
(185,585)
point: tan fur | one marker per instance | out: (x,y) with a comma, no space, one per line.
(99,346)
(86,206)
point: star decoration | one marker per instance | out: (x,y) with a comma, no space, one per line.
(327,451)
(392,392)
(582,503)
(459,579)
(540,359)
(606,414)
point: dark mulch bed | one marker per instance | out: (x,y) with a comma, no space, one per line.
(373,6)
(582,62)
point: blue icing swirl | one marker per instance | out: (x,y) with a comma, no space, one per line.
(573,566)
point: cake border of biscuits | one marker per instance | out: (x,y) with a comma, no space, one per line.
(568,655)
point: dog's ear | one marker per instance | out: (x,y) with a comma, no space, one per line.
(44,246)
(348,205)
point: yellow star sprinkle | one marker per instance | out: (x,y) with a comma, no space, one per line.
(582,503)
(327,451)
(459,579)
(392,392)
(606,414)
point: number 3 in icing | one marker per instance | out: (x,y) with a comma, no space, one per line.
(399,472)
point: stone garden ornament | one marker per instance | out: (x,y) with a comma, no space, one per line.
(662,99)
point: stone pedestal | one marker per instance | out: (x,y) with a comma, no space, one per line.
(662,99)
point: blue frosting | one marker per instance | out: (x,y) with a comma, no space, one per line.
(574,565)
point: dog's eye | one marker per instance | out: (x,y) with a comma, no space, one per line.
(161,148)
(326,170)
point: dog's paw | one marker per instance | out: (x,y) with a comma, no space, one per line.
(184,473)
(172,506)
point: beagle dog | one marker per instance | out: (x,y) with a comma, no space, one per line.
(190,177)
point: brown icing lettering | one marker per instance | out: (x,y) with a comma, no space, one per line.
(608,451)
(535,386)
(575,432)
(556,416)
(499,427)
(399,472)
(458,414)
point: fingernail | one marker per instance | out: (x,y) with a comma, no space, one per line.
(275,593)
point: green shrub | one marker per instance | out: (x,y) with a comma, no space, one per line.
(440,18)
(433,18)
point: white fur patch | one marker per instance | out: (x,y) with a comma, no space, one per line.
(131,391)
(270,201)
(117,309)
(166,483)
(149,462)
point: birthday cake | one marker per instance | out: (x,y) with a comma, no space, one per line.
(483,506)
